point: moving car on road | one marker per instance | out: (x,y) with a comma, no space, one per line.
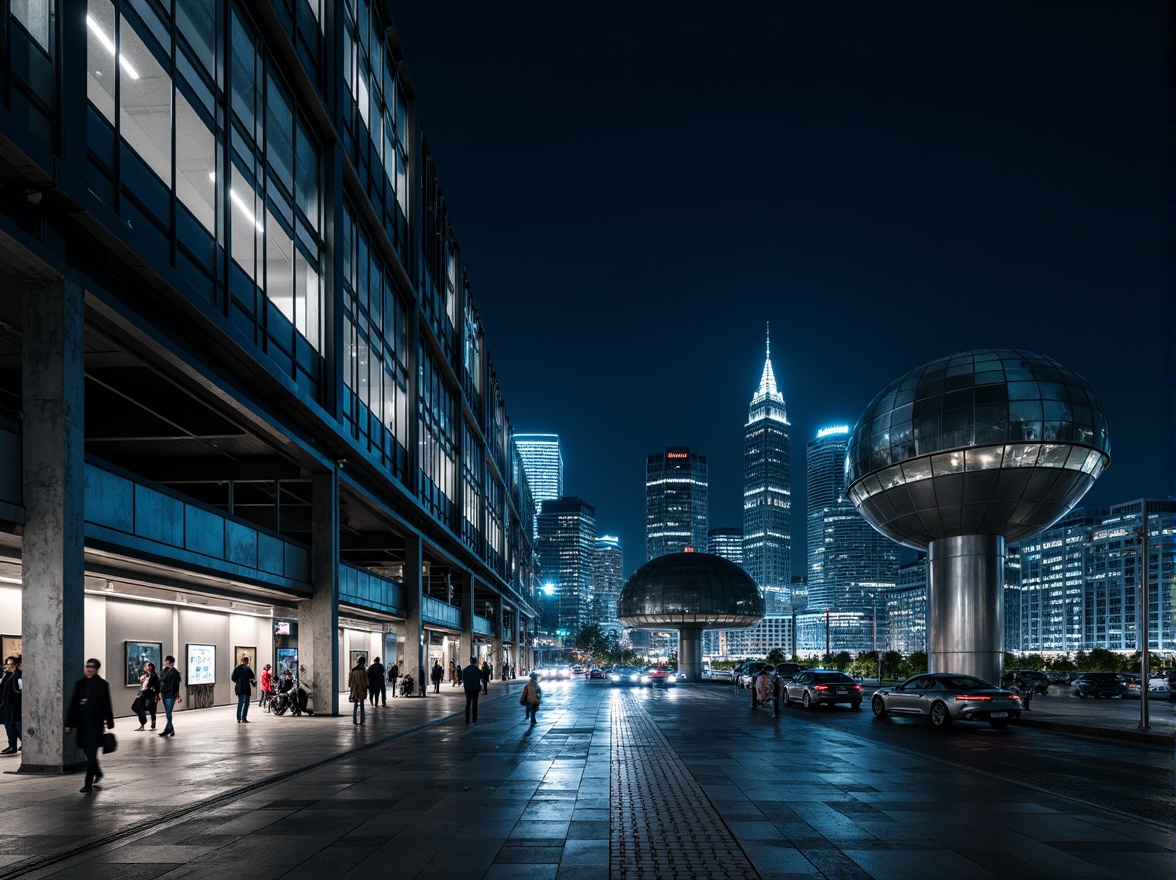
(814,687)
(945,697)
(659,675)
(625,675)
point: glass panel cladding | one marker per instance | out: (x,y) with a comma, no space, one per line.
(195,159)
(275,188)
(100,55)
(34,15)
(145,96)
(437,454)
(196,23)
(951,463)
(983,458)
(375,335)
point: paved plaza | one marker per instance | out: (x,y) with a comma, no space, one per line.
(612,784)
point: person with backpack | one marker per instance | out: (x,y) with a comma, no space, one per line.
(531,696)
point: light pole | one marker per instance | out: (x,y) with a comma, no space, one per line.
(828,652)
(877,656)
(1145,624)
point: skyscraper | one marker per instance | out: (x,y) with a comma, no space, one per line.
(567,539)
(675,502)
(607,580)
(767,493)
(849,562)
(543,464)
(726,542)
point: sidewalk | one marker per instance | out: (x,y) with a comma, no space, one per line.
(211,760)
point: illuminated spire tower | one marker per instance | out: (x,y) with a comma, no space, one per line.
(767,493)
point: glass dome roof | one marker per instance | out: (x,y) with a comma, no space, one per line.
(976,398)
(985,442)
(690,589)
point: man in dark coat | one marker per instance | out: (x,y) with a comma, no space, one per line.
(89,712)
(169,692)
(485,677)
(393,674)
(471,681)
(377,690)
(10,700)
(437,674)
(244,679)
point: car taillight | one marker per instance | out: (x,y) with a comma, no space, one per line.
(857,687)
(822,687)
(963,698)
(1013,697)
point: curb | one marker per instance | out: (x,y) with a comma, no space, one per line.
(1155,739)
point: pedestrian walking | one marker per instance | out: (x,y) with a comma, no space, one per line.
(393,675)
(454,674)
(471,680)
(422,682)
(485,677)
(376,689)
(531,696)
(148,694)
(437,674)
(243,680)
(358,683)
(11,685)
(266,687)
(89,712)
(169,692)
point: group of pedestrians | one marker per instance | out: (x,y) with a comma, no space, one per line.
(367,683)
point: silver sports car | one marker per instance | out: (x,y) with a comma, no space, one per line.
(945,697)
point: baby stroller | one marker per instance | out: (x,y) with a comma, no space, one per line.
(407,686)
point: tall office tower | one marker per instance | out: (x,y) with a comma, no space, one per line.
(767,493)
(849,562)
(727,543)
(906,609)
(607,580)
(567,539)
(543,463)
(675,502)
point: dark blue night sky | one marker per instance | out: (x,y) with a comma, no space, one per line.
(638,188)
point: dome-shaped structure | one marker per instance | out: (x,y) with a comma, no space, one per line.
(690,592)
(984,442)
(690,589)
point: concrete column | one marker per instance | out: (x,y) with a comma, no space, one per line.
(467,616)
(965,606)
(414,630)
(52,600)
(318,619)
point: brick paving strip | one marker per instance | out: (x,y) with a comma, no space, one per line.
(661,824)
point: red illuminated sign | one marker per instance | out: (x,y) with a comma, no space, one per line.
(676,455)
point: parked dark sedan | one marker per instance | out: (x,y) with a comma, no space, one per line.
(1099,684)
(814,687)
(944,698)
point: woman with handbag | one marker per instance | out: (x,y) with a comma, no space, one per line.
(530,697)
(148,695)
(89,712)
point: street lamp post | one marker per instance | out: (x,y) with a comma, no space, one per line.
(877,656)
(828,651)
(1145,624)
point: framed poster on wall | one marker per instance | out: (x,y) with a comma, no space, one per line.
(10,646)
(201,664)
(240,651)
(138,655)
(287,660)
(355,655)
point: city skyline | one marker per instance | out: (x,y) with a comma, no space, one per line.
(800,167)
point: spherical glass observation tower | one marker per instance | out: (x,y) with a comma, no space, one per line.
(690,592)
(961,455)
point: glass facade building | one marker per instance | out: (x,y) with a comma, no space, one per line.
(675,502)
(767,486)
(726,542)
(543,461)
(607,580)
(849,561)
(566,551)
(229,255)
(1081,581)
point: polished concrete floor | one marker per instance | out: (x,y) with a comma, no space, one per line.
(611,783)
